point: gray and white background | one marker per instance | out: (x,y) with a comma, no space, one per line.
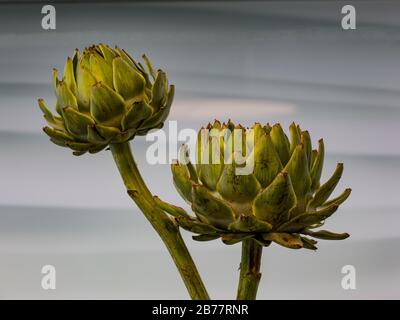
(253,61)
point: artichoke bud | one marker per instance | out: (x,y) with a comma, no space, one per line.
(105,97)
(279,200)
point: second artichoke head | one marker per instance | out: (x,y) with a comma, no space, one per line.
(105,96)
(281,200)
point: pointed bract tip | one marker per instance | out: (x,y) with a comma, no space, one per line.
(283,173)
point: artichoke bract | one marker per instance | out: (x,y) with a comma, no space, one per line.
(106,97)
(280,201)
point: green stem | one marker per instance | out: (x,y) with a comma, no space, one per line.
(161,222)
(249,270)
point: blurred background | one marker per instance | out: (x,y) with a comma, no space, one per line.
(248,61)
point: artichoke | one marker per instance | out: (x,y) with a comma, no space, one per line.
(106,97)
(280,201)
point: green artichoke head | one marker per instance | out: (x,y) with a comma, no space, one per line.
(280,199)
(104,97)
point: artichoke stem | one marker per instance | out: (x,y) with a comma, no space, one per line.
(249,270)
(164,226)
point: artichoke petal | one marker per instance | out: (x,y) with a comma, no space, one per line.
(69,75)
(274,203)
(314,154)
(318,163)
(124,136)
(46,112)
(205,237)
(181,179)
(233,238)
(306,141)
(254,135)
(106,105)
(138,66)
(76,123)
(157,119)
(57,142)
(96,149)
(128,82)
(78,153)
(107,132)
(249,223)
(85,81)
(127,58)
(295,137)
(238,188)
(159,91)
(297,167)
(266,160)
(55,80)
(211,209)
(184,158)
(309,243)
(327,188)
(101,69)
(58,135)
(326,235)
(93,136)
(78,146)
(65,98)
(305,220)
(210,172)
(54,121)
(288,240)
(138,112)
(339,199)
(149,66)
(281,143)
(108,53)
